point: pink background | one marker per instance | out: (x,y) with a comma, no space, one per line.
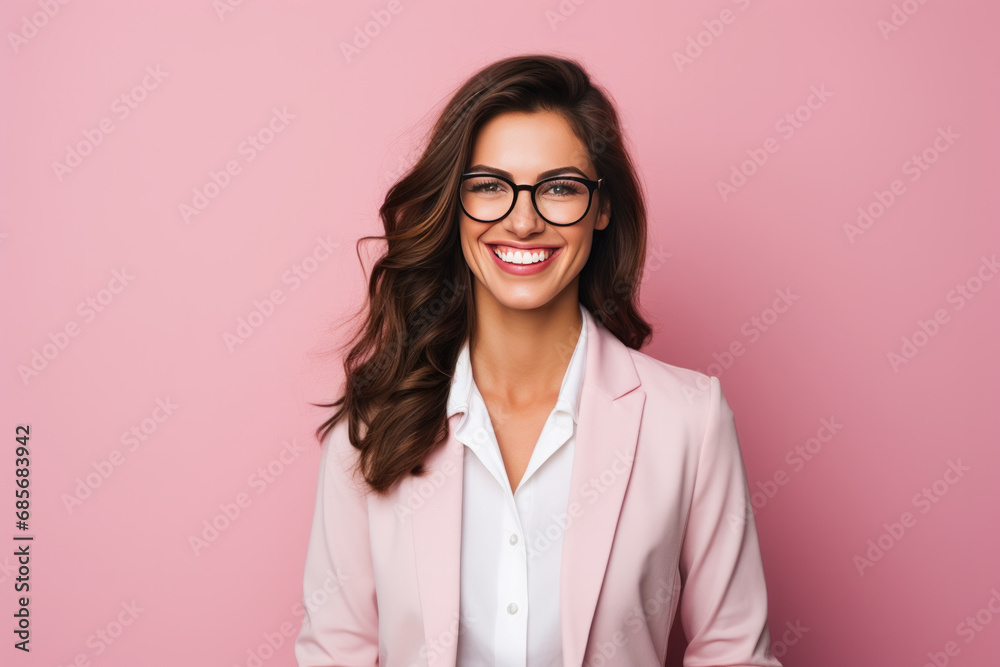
(715,264)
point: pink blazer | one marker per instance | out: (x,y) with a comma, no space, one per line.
(659,520)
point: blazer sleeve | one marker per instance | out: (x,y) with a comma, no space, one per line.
(723,603)
(340,627)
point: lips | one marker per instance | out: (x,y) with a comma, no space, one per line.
(522,256)
(514,248)
(518,268)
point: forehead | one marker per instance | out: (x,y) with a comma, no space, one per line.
(526,144)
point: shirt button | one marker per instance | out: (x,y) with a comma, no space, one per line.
(512,608)
(513,538)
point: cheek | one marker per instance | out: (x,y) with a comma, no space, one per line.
(582,244)
(469,241)
(469,229)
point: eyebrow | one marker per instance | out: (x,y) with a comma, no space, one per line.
(507,174)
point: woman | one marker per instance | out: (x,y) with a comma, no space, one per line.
(508,480)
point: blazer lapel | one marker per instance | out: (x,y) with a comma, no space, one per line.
(606,436)
(607,432)
(437,545)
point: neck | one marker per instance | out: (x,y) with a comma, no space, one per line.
(520,356)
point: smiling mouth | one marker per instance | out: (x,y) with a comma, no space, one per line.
(511,255)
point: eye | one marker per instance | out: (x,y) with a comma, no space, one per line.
(562,189)
(485,186)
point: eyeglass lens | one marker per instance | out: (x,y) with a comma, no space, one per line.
(560,201)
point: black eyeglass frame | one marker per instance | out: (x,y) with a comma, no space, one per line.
(590,185)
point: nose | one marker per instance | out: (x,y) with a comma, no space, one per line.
(524,219)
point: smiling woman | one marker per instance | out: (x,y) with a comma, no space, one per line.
(508,479)
(538,232)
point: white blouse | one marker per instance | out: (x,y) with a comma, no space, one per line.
(512,542)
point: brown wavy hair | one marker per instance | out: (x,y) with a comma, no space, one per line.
(420,308)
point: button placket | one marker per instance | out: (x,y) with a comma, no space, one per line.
(495,577)
(512,591)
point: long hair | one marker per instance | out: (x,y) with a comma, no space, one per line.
(419,307)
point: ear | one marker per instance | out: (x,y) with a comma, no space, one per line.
(604,216)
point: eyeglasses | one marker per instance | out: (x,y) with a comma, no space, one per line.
(560,200)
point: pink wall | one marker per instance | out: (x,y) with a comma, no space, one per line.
(130,307)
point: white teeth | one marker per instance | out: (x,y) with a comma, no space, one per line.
(518,257)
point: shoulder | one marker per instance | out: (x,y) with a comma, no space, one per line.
(340,459)
(687,390)
(673,393)
(690,427)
